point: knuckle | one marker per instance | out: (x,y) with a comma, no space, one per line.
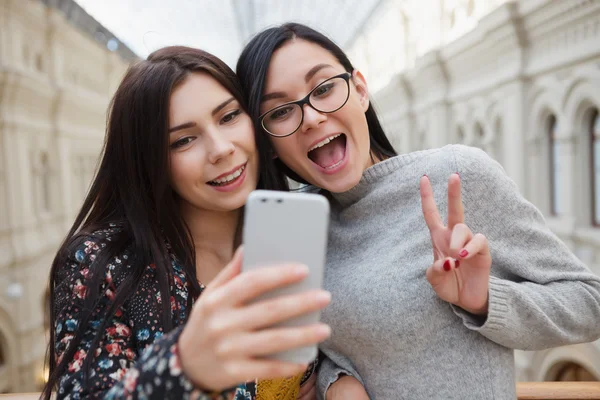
(273,308)
(223,349)
(216,327)
(232,369)
(209,303)
(481,237)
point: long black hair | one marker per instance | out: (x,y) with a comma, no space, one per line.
(131,189)
(252,68)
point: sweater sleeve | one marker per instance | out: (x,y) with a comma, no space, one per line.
(115,372)
(329,372)
(540,294)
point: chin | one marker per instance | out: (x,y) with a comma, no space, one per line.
(341,184)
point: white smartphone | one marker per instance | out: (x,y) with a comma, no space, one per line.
(283,227)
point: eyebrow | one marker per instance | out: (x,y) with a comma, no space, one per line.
(182,126)
(221,106)
(192,124)
(309,75)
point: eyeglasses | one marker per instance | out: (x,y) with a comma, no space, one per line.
(329,96)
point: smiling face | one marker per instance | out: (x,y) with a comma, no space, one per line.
(213,159)
(328,150)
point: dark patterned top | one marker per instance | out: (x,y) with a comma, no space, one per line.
(135,359)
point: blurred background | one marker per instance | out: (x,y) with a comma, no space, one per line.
(520,79)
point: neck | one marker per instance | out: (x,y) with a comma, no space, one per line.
(213,233)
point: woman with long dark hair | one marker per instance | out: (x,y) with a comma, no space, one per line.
(130,315)
(409,325)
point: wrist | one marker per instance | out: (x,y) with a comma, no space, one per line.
(183,352)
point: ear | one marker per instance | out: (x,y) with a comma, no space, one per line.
(360,83)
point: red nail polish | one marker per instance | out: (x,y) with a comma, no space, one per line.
(463,253)
(425,175)
(457,174)
(447,265)
(456,263)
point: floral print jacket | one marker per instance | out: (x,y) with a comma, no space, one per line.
(135,359)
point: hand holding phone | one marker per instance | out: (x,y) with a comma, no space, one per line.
(281,228)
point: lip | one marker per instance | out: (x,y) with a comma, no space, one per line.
(337,168)
(229,172)
(236,183)
(313,144)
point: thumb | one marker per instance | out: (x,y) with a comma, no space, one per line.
(230,271)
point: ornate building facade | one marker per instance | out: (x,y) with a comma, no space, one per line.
(57,74)
(520,80)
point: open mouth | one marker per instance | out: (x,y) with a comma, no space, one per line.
(329,152)
(228,179)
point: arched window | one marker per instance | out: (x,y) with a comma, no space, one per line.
(422,141)
(498,141)
(478,136)
(595,166)
(4,381)
(573,372)
(554,166)
(460,135)
(470,7)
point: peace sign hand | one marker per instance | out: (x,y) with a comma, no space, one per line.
(460,271)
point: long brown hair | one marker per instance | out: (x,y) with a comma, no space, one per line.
(131,189)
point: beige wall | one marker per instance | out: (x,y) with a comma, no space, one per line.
(55,85)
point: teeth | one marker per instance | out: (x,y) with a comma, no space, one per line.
(335,165)
(324,142)
(229,177)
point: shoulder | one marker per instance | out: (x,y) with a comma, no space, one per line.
(471,163)
(457,156)
(105,251)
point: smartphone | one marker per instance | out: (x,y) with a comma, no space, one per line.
(283,227)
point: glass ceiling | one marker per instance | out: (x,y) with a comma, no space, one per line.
(222,27)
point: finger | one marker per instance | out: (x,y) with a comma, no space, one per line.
(241,370)
(460,236)
(476,246)
(456,213)
(251,284)
(273,311)
(270,341)
(430,210)
(310,394)
(230,271)
(440,270)
(307,387)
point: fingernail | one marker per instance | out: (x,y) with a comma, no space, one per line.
(447,265)
(463,253)
(425,175)
(457,173)
(456,263)
(301,270)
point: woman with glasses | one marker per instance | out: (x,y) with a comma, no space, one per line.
(409,325)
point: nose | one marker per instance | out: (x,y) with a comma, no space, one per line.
(312,118)
(219,147)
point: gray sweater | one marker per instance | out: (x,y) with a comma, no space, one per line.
(392,332)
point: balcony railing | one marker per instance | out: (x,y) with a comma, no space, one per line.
(525,391)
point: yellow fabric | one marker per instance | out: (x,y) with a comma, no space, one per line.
(279,389)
